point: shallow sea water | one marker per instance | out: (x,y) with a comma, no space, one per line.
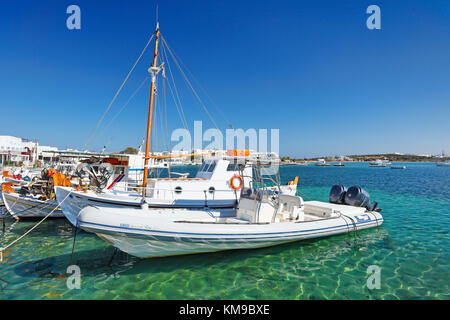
(411,249)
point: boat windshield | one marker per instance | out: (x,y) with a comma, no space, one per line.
(234,166)
(207,166)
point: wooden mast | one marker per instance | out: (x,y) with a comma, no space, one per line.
(153,71)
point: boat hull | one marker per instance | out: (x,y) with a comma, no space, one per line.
(443,164)
(155,233)
(27,207)
(76,201)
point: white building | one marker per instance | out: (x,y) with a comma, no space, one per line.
(13,149)
(16,149)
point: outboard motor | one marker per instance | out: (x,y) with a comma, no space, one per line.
(337,194)
(357,197)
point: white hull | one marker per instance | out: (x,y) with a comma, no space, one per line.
(443,164)
(379,163)
(78,200)
(28,207)
(155,233)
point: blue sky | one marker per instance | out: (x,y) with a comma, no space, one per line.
(310,68)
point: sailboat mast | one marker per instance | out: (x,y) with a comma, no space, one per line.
(153,70)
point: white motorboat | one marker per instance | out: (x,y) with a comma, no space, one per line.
(322,163)
(262,219)
(379,163)
(443,164)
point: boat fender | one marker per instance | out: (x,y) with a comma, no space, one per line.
(236,176)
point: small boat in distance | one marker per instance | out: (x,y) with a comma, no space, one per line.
(379,163)
(340,164)
(443,164)
(398,167)
(322,163)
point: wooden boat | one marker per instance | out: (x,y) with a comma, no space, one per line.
(213,187)
(35,199)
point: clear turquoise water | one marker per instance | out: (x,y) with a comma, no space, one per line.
(411,248)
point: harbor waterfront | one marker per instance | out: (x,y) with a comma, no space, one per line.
(410,249)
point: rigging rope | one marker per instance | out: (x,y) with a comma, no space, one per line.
(118,91)
(161,118)
(177,101)
(165,114)
(204,90)
(189,83)
(126,103)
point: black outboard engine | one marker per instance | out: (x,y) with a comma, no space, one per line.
(337,194)
(357,197)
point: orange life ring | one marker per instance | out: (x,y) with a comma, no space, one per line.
(240,182)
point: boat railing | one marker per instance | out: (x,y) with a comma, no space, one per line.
(170,193)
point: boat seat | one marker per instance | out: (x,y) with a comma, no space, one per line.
(325,209)
(290,208)
(310,217)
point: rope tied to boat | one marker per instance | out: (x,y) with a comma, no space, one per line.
(31,229)
(355,228)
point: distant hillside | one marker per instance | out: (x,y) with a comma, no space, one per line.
(386,156)
(397,157)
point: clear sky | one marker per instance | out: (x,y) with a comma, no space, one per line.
(310,68)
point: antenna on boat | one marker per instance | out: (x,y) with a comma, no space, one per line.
(140,146)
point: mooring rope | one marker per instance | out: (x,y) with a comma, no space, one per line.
(34,227)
